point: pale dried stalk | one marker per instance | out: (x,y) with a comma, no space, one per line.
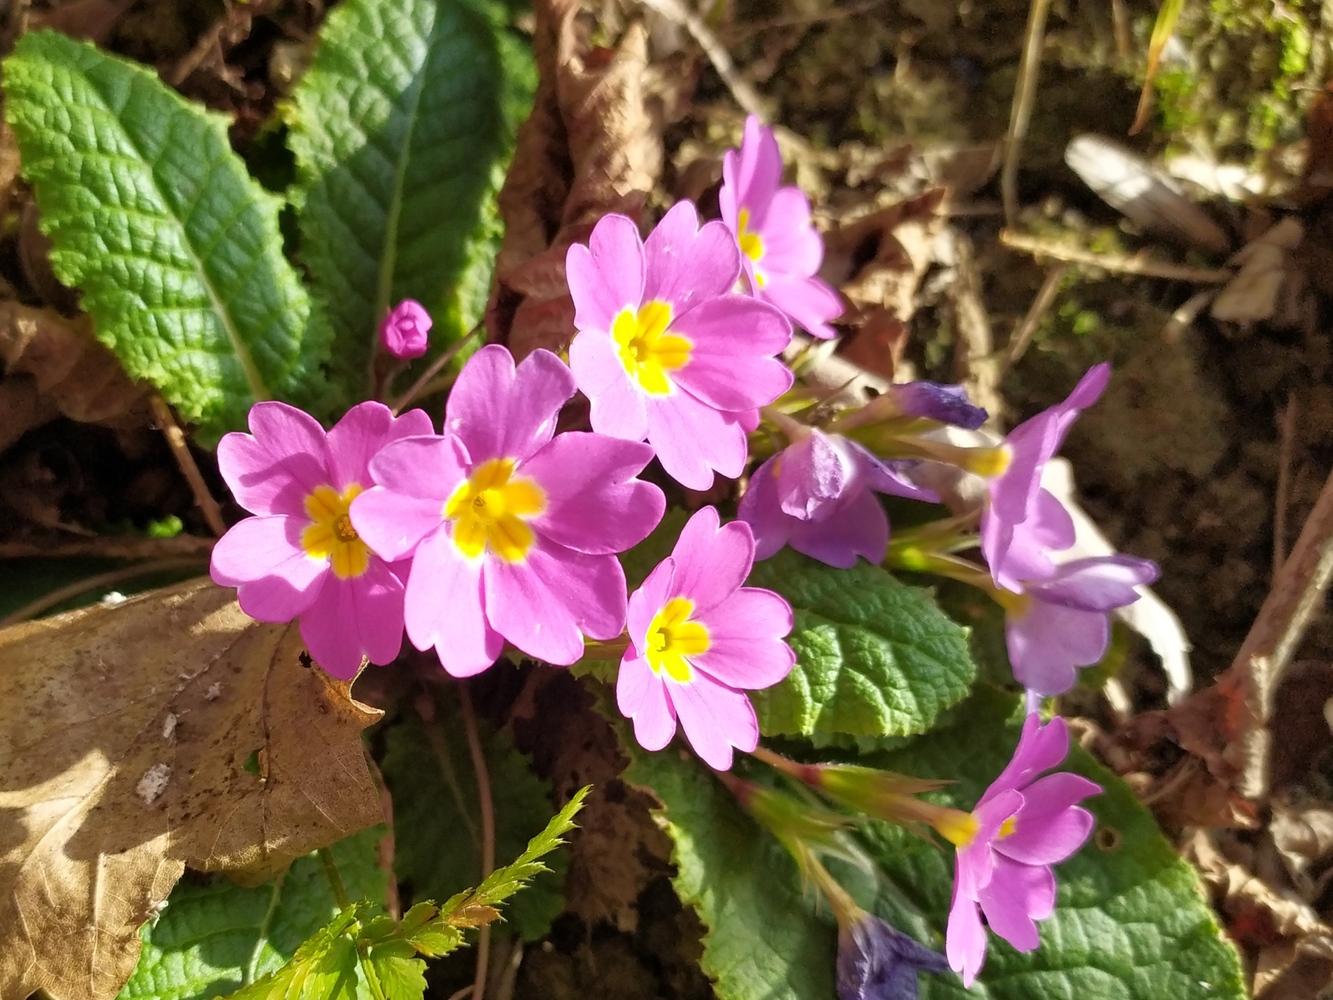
(1117,265)
(112,547)
(1020,113)
(1041,305)
(677,12)
(166,423)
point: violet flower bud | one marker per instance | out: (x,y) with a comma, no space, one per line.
(405,330)
(879,962)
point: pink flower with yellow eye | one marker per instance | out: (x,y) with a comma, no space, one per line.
(700,641)
(781,249)
(301,557)
(512,529)
(665,351)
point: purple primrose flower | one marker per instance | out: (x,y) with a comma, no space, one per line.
(780,247)
(879,962)
(1022,826)
(512,530)
(700,641)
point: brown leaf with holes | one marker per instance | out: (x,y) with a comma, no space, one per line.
(55,366)
(591,146)
(170,731)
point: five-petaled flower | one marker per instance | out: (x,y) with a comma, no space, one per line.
(771,224)
(301,556)
(1022,826)
(512,529)
(665,351)
(700,641)
(818,496)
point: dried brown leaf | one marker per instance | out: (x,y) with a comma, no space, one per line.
(130,736)
(591,146)
(69,370)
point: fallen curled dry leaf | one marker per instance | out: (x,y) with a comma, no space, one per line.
(55,366)
(170,731)
(591,146)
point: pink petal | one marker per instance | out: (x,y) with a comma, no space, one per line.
(1016,896)
(1097,583)
(1050,827)
(619,409)
(427,468)
(757,168)
(642,696)
(858,526)
(965,938)
(976,861)
(607,275)
(499,411)
(746,631)
(686,264)
(760,509)
(594,503)
(262,557)
(693,439)
(792,246)
(712,561)
(361,433)
(273,471)
(444,608)
(649,599)
(715,719)
(733,364)
(353,617)
(1048,643)
(393,524)
(1040,748)
(547,603)
(808,302)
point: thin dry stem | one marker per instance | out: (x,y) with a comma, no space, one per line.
(487,828)
(1288,433)
(1041,305)
(423,383)
(677,12)
(166,423)
(1020,112)
(1116,264)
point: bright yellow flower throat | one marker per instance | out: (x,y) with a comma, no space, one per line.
(672,637)
(330,534)
(491,509)
(646,350)
(751,244)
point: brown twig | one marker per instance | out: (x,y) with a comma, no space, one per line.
(1287,429)
(745,95)
(424,381)
(1041,305)
(487,828)
(166,423)
(1020,112)
(112,547)
(108,579)
(1140,266)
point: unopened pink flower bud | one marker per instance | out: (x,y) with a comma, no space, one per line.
(404,331)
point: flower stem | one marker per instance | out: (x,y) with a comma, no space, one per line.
(335,880)
(487,828)
(435,367)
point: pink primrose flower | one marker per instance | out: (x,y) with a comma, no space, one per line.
(1022,522)
(405,331)
(512,529)
(700,641)
(300,556)
(781,250)
(665,351)
(1022,826)
(1061,622)
(818,496)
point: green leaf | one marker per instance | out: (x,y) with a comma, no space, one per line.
(429,773)
(215,937)
(323,968)
(399,127)
(176,250)
(764,937)
(396,970)
(1131,920)
(502,883)
(874,657)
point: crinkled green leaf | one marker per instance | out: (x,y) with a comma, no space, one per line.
(396,970)
(323,968)
(875,657)
(1130,921)
(175,249)
(399,127)
(215,937)
(430,775)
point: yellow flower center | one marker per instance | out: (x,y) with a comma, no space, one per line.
(957,827)
(491,511)
(1007,828)
(646,350)
(751,244)
(330,534)
(672,638)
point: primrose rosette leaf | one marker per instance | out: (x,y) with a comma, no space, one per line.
(874,657)
(153,218)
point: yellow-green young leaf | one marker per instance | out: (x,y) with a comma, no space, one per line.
(399,127)
(175,249)
(875,657)
(323,968)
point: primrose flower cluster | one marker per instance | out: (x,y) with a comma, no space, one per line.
(503,528)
